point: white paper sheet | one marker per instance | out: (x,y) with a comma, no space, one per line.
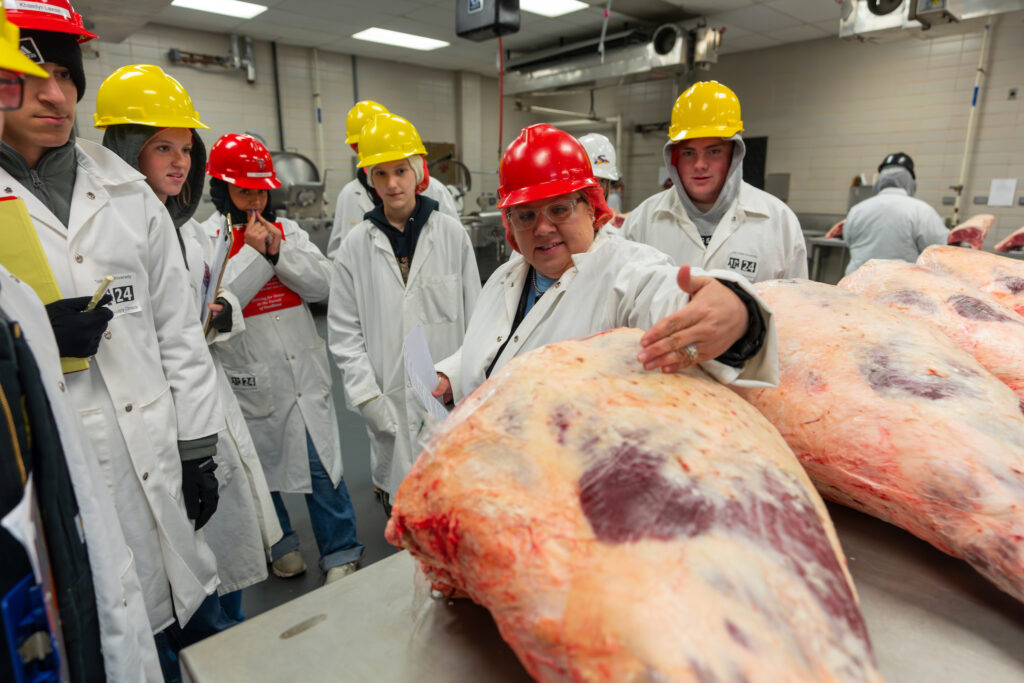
(221,249)
(419,368)
(1001,191)
(20,525)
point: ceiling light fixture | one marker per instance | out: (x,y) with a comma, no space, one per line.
(230,8)
(552,8)
(398,39)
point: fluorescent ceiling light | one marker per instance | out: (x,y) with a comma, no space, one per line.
(386,37)
(231,8)
(552,8)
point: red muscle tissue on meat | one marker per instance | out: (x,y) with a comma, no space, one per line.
(890,417)
(977,322)
(972,231)
(625,525)
(836,231)
(999,276)
(1013,242)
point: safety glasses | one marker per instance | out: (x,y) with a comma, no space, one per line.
(12,88)
(557,212)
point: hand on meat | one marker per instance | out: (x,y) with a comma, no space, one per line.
(714,319)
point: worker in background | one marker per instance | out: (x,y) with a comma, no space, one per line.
(407,264)
(710,217)
(358,196)
(151,123)
(278,365)
(892,224)
(103,620)
(148,399)
(572,279)
(602,160)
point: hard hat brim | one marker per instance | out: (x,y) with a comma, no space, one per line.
(554,188)
(13,60)
(186,122)
(250,183)
(706,132)
(385,157)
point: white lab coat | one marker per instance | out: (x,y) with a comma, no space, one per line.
(370,313)
(128,648)
(615,283)
(354,202)
(759,237)
(152,382)
(278,366)
(245,525)
(891,225)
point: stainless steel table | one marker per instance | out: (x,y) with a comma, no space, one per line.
(828,259)
(931,618)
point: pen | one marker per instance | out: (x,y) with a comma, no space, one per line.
(99,292)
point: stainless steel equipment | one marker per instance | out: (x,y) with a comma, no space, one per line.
(826,258)
(301,195)
(487,234)
(931,618)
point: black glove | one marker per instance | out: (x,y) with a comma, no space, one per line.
(222,321)
(78,332)
(199,487)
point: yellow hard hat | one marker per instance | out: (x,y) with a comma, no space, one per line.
(388,138)
(707,109)
(11,58)
(144,94)
(358,116)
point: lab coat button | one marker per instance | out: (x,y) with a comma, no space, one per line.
(515,338)
(558,284)
(78,258)
(8,190)
(299,395)
(145,476)
(90,195)
(128,408)
(124,601)
(293,357)
(61,385)
(107,335)
(499,340)
(277,317)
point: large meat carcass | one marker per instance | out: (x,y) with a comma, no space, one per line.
(1000,276)
(1013,242)
(972,231)
(890,417)
(624,525)
(978,323)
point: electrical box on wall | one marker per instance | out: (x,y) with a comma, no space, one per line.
(482,19)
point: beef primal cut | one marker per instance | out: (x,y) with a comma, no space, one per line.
(972,231)
(890,417)
(626,525)
(1013,242)
(1000,276)
(977,322)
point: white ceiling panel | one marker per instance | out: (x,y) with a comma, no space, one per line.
(796,34)
(752,41)
(807,11)
(757,19)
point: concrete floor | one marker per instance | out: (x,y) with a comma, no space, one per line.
(370,519)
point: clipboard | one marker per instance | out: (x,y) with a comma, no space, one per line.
(22,254)
(221,253)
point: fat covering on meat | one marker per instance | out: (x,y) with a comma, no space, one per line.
(890,417)
(972,231)
(624,525)
(977,322)
(1014,241)
(1000,276)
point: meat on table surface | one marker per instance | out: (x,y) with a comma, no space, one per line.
(1013,242)
(622,524)
(978,323)
(890,417)
(972,231)
(1000,276)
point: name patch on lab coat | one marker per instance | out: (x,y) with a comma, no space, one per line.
(124,293)
(243,382)
(745,264)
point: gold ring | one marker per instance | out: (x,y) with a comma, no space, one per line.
(691,352)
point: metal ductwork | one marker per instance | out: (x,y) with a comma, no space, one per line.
(630,56)
(880,20)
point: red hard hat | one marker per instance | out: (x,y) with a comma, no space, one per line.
(242,160)
(57,16)
(547,162)
(542,162)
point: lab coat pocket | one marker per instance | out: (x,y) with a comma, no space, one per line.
(161,425)
(317,355)
(253,389)
(378,416)
(96,429)
(439,298)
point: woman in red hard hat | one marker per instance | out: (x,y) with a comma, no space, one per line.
(572,280)
(278,365)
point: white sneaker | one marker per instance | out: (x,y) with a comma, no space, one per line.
(288,565)
(340,572)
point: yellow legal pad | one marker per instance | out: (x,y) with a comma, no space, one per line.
(22,254)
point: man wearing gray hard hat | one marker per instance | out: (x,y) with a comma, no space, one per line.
(892,224)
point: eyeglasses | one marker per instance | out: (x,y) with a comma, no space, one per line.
(556,212)
(12,87)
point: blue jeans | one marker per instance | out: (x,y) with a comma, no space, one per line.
(330,514)
(209,619)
